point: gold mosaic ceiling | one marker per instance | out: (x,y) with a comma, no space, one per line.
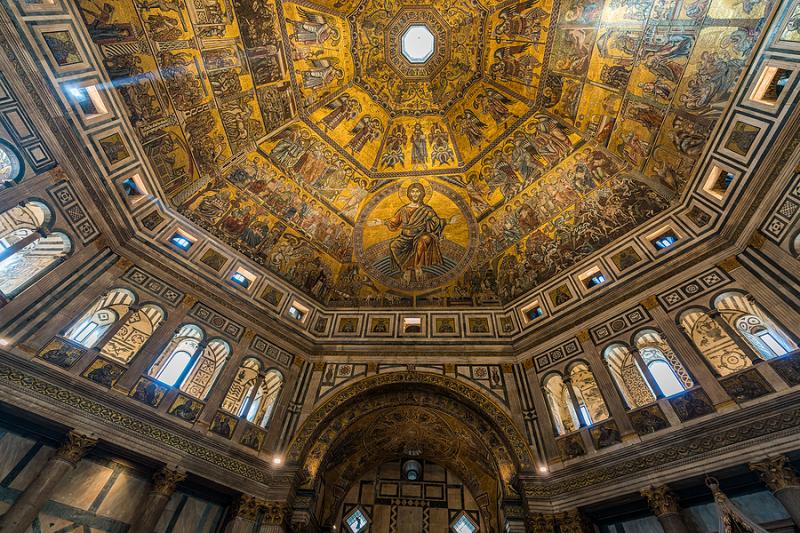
(536,133)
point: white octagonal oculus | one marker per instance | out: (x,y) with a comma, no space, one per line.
(417,43)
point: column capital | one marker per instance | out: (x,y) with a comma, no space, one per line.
(661,500)
(246,507)
(75,447)
(164,480)
(583,335)
(651,302)
(729,263)
(776,473)
(573,522)
(275,512)
(541,523)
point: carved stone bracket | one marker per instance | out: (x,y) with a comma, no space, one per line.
(661,500)
(76,446)
(275,513)
(776,473)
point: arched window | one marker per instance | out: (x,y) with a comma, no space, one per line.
(11,167)
(242,387)
(173,362)
(266,398)
(719,349)
(590,400)
(748,320)
(665,377)
(206,368)
(27,250)
(93,324)
(658,356)
(629,378)
(558,398)
(253,394)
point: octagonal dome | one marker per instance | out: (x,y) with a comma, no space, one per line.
(417,43)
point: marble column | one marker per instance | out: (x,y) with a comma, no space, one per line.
(164,482)
(574,522)
(777,474)
(24,510)
(243,515)
(543,412)
(665,506)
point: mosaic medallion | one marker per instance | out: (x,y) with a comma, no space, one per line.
(415,235)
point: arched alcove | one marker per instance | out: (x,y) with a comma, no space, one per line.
(404,415)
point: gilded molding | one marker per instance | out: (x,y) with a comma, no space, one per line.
(776,473)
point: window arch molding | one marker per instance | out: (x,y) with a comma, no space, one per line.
(15,161)
(592,397)
(794,245)
(562,412)
(31,245)
(112,300)
(627,374)
(639,340)
(254,391)
(736,304)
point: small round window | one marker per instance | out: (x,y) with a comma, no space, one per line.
(10,165)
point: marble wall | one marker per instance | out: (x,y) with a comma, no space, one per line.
(429,505)
(102,494)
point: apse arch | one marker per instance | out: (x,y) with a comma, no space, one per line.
(484,446)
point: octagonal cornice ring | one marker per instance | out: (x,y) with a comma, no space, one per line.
(405,18)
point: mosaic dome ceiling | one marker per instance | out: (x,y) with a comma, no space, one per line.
(506,143)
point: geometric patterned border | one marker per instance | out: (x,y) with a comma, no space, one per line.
(153,285)
(66,199)
(695,287)
(784,215)
(15,120)
(559,353)
(619,324)
(211,318)
(270,351)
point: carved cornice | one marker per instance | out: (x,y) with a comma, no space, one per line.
(164,480)
(661,500)
(776,473)
(75,447)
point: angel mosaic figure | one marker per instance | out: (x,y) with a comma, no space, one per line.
(470,125)
(494,104)
(345,107)
(323,73)
(314,29)
(515,22)
(441,152)
(367,129)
